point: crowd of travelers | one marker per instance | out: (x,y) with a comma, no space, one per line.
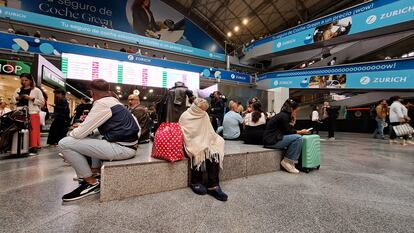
(106,130)
(391,113)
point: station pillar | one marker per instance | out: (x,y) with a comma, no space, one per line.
(276,98)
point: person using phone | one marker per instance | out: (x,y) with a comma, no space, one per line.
(280,134)
(31,97)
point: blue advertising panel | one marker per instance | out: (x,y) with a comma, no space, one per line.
(364,17)
(151,18)
(392,74)
(102,19)
(56,48)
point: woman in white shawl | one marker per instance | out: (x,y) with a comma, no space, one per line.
(205,149)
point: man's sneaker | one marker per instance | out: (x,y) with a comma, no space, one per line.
(289,167)
(85,189)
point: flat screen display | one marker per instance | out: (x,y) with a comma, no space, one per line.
(88,68)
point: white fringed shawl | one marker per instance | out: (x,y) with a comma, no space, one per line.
(200,140)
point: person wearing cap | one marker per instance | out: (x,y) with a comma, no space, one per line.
(119,133)
(59,127)
(144,120)
(31,97)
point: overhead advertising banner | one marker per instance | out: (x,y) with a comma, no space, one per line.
(392,74)
(158,26)
(88,68)
(56,48)
(362,18)
(12,67)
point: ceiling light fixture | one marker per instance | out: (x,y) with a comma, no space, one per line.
(236,29)
(145,97)
(245,21)
(229,34)
(118,87)
(151,90)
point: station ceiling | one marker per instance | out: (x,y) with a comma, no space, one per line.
(264,17)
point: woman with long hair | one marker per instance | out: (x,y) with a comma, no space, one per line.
(31,97)
(254,125)
(280,134)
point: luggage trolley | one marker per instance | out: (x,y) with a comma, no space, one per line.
(14,132)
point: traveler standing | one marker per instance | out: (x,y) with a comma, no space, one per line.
(329,115)
(217,108)
(175,103)
(59,127)
(396,118)
(381,111)
(315,120)
(30,96)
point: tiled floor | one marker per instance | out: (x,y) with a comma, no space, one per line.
(364,185)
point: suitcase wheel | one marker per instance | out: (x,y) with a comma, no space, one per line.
(306,170)
(318,167)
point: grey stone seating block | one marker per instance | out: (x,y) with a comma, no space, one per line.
(145,175)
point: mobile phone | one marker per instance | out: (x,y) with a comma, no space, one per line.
(309,129)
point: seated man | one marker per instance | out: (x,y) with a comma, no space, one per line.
(142,116)
(231,123)
(119,131)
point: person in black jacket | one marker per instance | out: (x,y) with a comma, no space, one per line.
(59,127)
(81,108)
(279,134)
(217,108)
(329,115)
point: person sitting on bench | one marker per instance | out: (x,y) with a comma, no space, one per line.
(119,130)
(280,134)
(205,149)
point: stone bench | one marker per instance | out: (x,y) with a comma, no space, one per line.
(145,175)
